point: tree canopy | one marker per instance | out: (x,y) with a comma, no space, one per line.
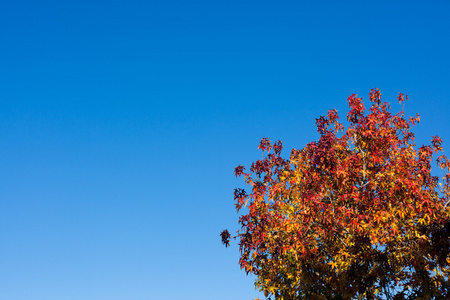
(357,214)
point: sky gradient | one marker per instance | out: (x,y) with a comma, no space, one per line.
(122,121)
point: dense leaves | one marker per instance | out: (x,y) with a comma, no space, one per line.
(354,215)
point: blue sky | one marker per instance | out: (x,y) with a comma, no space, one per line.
(122,121)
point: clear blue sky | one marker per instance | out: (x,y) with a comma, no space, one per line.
(121,123)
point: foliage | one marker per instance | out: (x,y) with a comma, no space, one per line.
(355,215)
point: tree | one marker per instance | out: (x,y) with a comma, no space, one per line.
(355,215)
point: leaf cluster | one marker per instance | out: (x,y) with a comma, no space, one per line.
(354,215)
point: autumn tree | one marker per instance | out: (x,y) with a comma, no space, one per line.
(357,214)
